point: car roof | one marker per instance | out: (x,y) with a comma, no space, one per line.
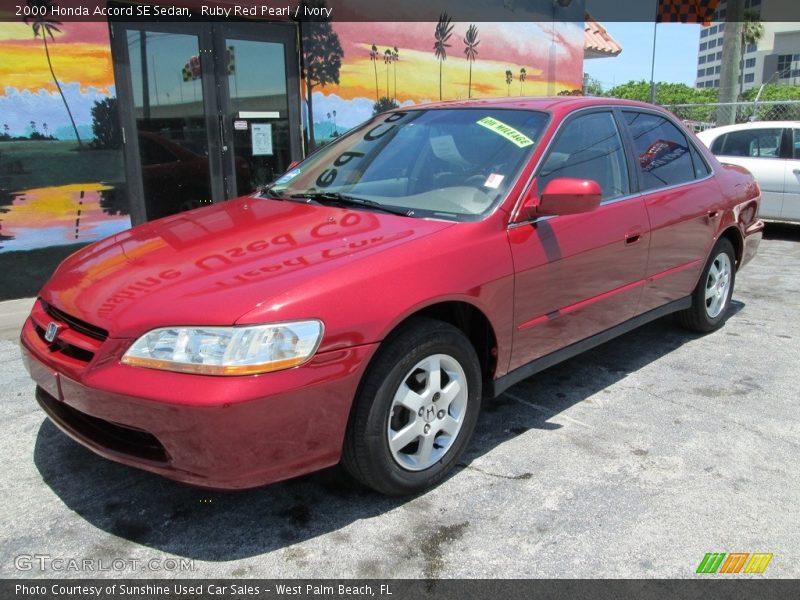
(715,131)
(561,104)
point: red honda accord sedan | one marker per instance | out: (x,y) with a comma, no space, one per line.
(361,307)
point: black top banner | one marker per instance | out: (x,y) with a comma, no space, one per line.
(645,11)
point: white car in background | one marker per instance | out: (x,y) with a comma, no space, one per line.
(770,150)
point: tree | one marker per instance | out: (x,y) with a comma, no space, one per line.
(322,59)
(383,104)
(387,60)
(592,86)
(395,58)
(731,54)
(442,34)
(373,56)
(509,79)
(105,125)
(42,24)
(522,74)
(471,42)
(752,31)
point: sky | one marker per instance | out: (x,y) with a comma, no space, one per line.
(676,54)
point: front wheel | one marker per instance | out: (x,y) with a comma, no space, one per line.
(712,296)
(415,410)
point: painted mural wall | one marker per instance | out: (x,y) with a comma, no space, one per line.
(61,168)
(355,71)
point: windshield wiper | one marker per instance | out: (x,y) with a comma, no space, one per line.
(268,191)
(345,200)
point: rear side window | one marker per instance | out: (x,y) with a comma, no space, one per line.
(759,143)
(662,150)
(589,147)
(797,143)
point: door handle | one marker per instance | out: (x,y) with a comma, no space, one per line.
(633,237)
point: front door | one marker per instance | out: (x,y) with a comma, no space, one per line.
(207,110)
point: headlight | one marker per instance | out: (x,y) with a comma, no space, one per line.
(226,350)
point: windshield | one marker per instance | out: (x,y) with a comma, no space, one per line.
(443,163)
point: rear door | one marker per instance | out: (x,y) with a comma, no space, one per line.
(577,275)
(790,210)
(758,151)
(682,200)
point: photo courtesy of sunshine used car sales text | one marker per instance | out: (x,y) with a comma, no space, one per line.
(206,590)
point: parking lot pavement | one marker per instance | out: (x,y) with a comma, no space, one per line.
(633,460)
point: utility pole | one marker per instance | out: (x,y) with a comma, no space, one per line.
(731,55)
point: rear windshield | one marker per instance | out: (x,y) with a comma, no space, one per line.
(443,163)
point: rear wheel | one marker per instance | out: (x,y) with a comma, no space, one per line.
(416,409)
(712,296)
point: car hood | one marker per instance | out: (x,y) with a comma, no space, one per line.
(212,265)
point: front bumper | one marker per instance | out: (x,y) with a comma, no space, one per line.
(213,432)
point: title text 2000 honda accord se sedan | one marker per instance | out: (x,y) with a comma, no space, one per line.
(361,307)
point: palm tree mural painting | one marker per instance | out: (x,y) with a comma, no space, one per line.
(471,42)
(42,24)
(442,34)
(522,74)
(373,56)
(387,60)
(395,58)
(509,79)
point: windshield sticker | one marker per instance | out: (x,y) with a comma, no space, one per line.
(287,176)
(493,181)
(512,135)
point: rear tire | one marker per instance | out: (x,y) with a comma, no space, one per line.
(415,410)
(712,296)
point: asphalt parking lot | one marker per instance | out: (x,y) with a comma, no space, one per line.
(633,460)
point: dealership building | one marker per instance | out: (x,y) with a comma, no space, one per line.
(112,122)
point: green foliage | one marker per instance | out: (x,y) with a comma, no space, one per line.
(383,105)
(774,92)
(105,125)
(592,86)
(666,93)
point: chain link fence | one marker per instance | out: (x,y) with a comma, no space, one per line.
(705,116)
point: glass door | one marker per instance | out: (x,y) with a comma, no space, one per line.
(257,66)
(209,111)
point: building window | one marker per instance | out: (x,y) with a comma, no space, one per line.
(703,33)
(702,59)
(703,46)
(712,44)
(721,27)
(716,83)
(784,65)
(751,47)
(717,69)
(701,72)
(710,71)
(713,30)
(749,77)
(750,63)
(719,55)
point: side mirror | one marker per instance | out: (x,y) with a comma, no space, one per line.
(563,196)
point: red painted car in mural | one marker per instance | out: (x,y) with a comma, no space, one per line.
(361,307)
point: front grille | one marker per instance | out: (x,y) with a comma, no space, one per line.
(76,342)
(76,324)
(119,438)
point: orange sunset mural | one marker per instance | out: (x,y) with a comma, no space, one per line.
(57,186)
(385,65)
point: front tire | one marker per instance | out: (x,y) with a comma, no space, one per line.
(415,410)
(712,296)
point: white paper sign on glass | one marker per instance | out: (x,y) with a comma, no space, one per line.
(261,136)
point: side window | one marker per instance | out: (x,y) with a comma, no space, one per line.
(589,147)
(701,168)
(661,149)
(761,143)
